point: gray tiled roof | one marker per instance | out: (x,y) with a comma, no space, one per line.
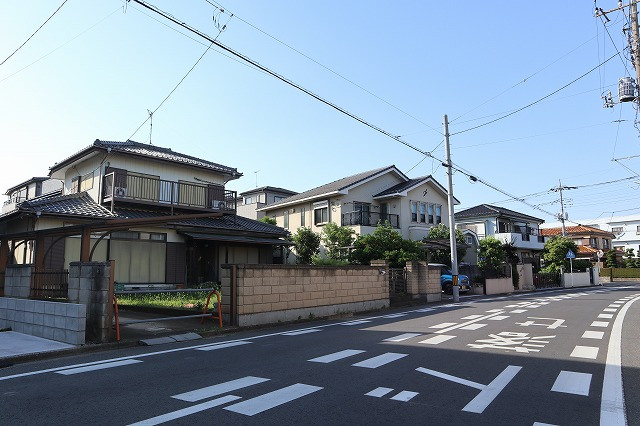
(149,151)
(268,189)
(80,204)
(489,210)
(331,187)
(402,186)
(226,222)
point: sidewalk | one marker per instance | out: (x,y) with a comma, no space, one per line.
(15,346)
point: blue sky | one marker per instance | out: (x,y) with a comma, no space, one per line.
(95,68)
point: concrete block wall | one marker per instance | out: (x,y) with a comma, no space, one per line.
(422,281)
(272,293)
(90,286)
(17,281)
(64,322)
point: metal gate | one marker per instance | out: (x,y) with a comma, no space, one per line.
(397,281)
(546,280)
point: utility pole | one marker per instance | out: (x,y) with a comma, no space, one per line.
(452,221)
(562,215)
(635,45)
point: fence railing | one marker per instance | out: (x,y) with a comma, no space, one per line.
(370,219)
(153,190)
(49,284)
(397,281)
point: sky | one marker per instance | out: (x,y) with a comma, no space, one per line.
(526,73)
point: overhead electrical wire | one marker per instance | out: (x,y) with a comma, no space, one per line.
(34,33)
(454,167)
(537,101)
(218,5)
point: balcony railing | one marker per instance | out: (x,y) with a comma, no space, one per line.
(125,187)
(370,219)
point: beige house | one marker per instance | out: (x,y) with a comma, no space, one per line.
(164,217)
(361,201)
(250,202)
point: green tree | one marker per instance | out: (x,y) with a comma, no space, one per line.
(387,244)
(555,251)
(269,220)
(441,232)
(491,256)
(629,258)
(612,259)
(336,239)
(307,245)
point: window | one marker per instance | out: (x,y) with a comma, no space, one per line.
(86,182)
(638,230)
(320,213)
(578,241)
(605,244)
(286,219)
(277,198)
(364,212)
(617,229)
(414,211)
(303,212)
(430,213)
(593,242)
(438,213)
(125,235)
(468,239)
(156,236)
(247,200)
(423,208)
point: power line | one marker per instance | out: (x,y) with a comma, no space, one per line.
(218,5)
(34,33)
(537,101)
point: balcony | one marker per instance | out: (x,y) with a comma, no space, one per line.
(186,195)
(522,240)
(369,219)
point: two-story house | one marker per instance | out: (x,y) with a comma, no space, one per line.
(163,216)
(363,200)
(505,225)
(589,240)
(32,188)
(250,202)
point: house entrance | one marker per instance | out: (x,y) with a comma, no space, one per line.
(202,258)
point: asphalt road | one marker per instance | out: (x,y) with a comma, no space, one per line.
(566,357)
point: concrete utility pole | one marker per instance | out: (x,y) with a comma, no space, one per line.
(635,47)
(562,216)
(452,221)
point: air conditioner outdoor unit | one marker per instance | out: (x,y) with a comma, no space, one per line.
(217,204)
(120,192)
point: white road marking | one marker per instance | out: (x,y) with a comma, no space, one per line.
(614,305)
(609,310)
(425,310)
(444,325)
(185,411)
(612,404)
(469,317)
(589,334)
(451,378)
(587,352)
(394,315)
(379,392)
(435,340)
(336,356)
(475,326)
(543,424)
(554,323)
(404,396)
(98,367)
(269,400)
(222,346)
(494,310)
(400,338)
(600,324)
(219,389)
(297,333)
(455,326)
(492,390)
(534,305)
(498,317)
(573,383)
(605,316)
(358,322)
(380,360)
(518,311)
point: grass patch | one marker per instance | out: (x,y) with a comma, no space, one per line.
(187,301)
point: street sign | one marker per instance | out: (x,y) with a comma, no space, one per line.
(570,254)
(599,253)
